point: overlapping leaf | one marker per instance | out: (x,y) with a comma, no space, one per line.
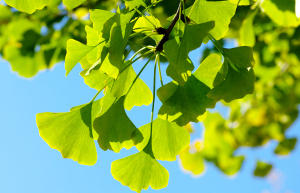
(131,4)
(140,170)
(177,51)
(71,4)
(168,139)
(219,11)
(28,6)
(143,25)
(139,94)
(71,133)
(113,134)
(184,104)
(281,12)
(240,77)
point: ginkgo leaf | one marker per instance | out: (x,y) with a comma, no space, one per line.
(180,73)
(114,134)
(262,169)
(242,2)
(131,4)
(286,146)
(238,83)
(241,57)
(177,51)
(281,12)
(189,102)
(168,139)
(192,162)
(95,79)
(139,171)
(71,4)
(99,17)
(114,60)
(143,24)
(139,95)
(247,36)
(71,133)
(221,74)
(28,6)
(219,11)
(230,165)
(75,52)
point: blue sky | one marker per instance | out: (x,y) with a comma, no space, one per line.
(28,164)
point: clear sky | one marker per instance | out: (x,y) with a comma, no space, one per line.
(29,165)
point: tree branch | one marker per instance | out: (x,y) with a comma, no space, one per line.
(159,46)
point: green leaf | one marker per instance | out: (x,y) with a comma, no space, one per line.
(75,52)
(168,139)
(95,79)
(262,169)
(114,60)
(247,36)
(241,57)
(140,170)
(193,162)
(177,52)
(99,17)
(131,4)
(71,4)
(139,95)
(238,83)
(242,2)
(71,133)
(219,11)
(230,165)
(26,65)
(28,6)
(189,102)
(281,12)
(286,146)
(142,23)
(114,134)
(221,74)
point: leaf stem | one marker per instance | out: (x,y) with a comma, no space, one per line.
(158,62)
(140,73)
(152,112)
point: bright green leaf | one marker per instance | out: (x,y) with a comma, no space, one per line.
(193,162)
(140,170)
(281,12)
(131,4)
(114,134)
(71,4)
(28,6)
(75,52)
(139,95)
(189,102)
(219,11)
(168,139)
(143,24)
(71,133)
(247,36)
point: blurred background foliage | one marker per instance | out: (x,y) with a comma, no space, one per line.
(35,42)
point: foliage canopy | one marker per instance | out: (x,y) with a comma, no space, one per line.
(101,34)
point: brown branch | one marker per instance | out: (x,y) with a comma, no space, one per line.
(159,46)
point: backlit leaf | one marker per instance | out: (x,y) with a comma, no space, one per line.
(168,139)
(262,169)
(114,134)
(75,138)
(28,6)
(139,171)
